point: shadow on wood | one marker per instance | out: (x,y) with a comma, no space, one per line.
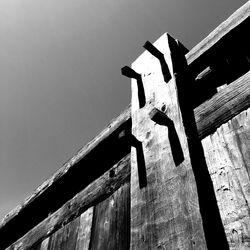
(212,223)
(142,172)
(162,119)
(155,52)
(130,73)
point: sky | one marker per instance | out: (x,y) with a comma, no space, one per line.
(60,81)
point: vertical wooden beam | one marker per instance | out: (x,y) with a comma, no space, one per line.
(164,214)
(212,223)
(177,207)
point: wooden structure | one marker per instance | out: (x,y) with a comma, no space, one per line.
(171,172)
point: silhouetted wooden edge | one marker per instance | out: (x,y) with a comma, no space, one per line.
(221,31)
(233,21)
(240,102)
(111,128)
(223,106)
(97,191)
(210,115)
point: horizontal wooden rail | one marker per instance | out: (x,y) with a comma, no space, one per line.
(223,30)
(223,106)
(209,115)
(111,128)
(103,151)
(94,193)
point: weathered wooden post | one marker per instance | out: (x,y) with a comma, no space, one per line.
(165,209)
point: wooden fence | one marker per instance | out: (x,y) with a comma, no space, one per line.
(171,172)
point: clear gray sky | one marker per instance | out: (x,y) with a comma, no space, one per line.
(60,81)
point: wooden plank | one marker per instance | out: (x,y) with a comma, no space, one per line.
(204,73)
(111,128)
(66,237)
(44,244)
(227,154)
(97,191)
(212,223)
(111,225)
(40,246)
(222,107)
(109,150)
(220,32)
(18,215)
(164,214)
(84,233)
(209,116)
(75,235)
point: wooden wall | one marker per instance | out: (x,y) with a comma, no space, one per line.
(104,226)
(227,153)
(96,218)
(106,223)
(99,216)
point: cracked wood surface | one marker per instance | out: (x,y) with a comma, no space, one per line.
(227,154)
(234,21)
(165,213)
(218,110)
(201,48)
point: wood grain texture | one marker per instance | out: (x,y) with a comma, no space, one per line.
(203,47)
(165,213)
(217,114)
(97,191)
(74,236)
(227,154)
(84,233)
(209,116)
(44,244)
(40,246)
(221,31)
(66,237)
(69,165)
(111,225)
(222,107)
